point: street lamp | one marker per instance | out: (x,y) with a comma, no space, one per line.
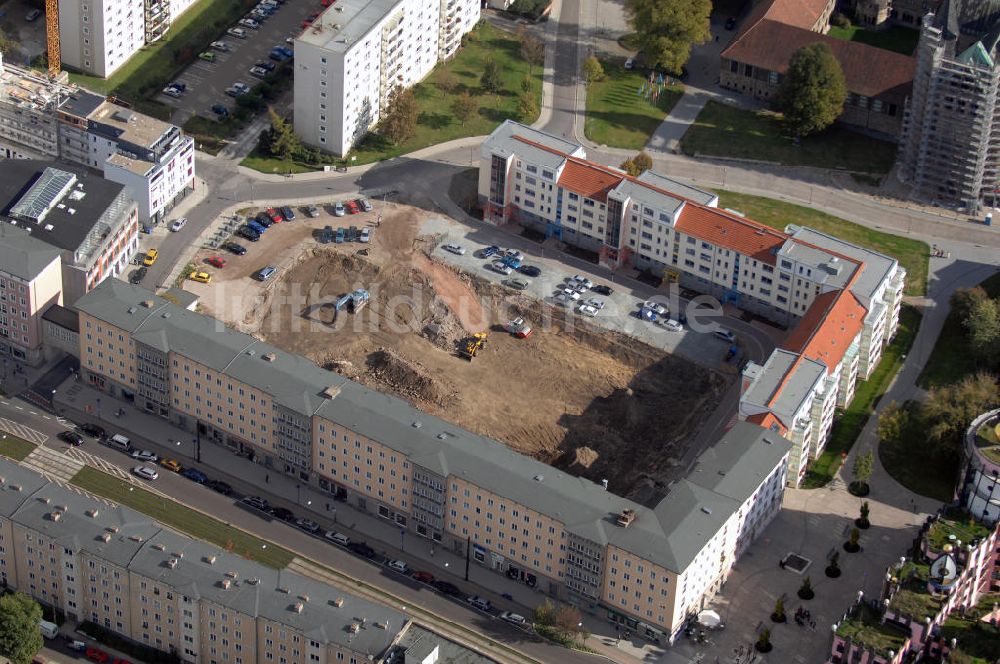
(402,538)
(298,494)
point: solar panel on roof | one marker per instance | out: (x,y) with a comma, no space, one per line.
(50,186)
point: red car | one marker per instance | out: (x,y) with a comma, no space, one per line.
(274,215)
(326,3)
(216,261)
(352,207)
(423,577)
(97,655)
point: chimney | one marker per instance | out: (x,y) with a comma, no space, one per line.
(626,518)
(339,602)
(604,483)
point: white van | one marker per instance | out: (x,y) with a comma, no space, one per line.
(49,630)
(121,442)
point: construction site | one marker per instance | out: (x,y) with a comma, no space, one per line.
(590,401)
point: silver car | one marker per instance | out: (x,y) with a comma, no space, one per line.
(456,249)
(499,268)
(338,210)
(145,472)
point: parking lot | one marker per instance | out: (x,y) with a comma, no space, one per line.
(30,34)
(207,81)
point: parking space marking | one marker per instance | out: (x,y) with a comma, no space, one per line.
(22,431)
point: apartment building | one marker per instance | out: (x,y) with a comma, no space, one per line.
(92,222)
(42,119)
(949,146)
(115,567)
(565,536)
(97,37)
(358,51)
(840,301)
(979,490)
(30,282)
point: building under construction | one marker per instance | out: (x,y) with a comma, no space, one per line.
(950,148)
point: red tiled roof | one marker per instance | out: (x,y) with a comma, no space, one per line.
(730,231)
(829,327)
(801,13)
(868,70)
(588,179)
(767,419)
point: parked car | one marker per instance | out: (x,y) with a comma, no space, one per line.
(265,273)
(655,307)
(511,262)
(423,577)
(220,110)
(221,46)
(516,284)
(570,294)
(587,310)
(447,588)
(630,63)
(92,430)
(581,281)
(361,549)
(172,464)
(200,277)
(249,23)
(352,207)
(366,235)
(529,270)
(340,236)
(288,213)
(399,566)
(458,250)
(98,655)
(150,257)
(730,23)
(312,211)
(339,210)
(237,32)
(138,275)
(145,472)
(145,455)
(307,525)
(257,72)
(171,91)
(514,254)
(178,224)
(274,215)
(489,251)
(671,325)
(499,268)
(601,289)
(237,89)
(32,15)
(194,475)
(207,56)
(480,603)
(725,334)
(257,503)
(366,206)
(216,261)
(219,486)
(597,304)
(234,248)
(70,437)
(337,538)
(248,233)
(282,513)
(264,64)
(514,618)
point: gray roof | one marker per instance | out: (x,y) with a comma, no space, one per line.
(180,296)
(832,271)
(21,254)
(346,23)
(418,642)
(679,188)
(740,462)
(654,199)
(63,317)
(876,269)
(137,542)
(584,507)
(81,103)
(794,387)
(502,142)
(68,229)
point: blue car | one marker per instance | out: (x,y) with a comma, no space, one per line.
(340,236)
(257,227)
(490,251)
(511,262)
(194,475)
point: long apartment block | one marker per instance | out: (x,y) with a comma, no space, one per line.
(43,119)
(348,62)
(840,301)
(117,568)
(649,568)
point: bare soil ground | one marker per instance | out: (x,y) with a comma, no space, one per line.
(595,403)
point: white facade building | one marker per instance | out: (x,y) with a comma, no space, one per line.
(358,51)
(841,301)
(40,119)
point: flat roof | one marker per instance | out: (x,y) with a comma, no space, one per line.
(347,22)
(421,641)
(875,269)
(81,103)
(63,317)
(135,128)
(515,138)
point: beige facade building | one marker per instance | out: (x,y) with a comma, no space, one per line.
(559,534)
(117,568)
(30,282)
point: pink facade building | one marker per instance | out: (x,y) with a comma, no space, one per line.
(30,281)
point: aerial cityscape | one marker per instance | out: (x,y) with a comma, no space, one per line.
(512,331)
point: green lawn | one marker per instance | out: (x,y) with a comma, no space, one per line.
(957,523)
(951,360)
(149,70)
(849,423)
(183,518)
(265,164)
(864,625)
(897,38)
(617,116)
(436,123)
(726,131)
(911,254)
(14,447)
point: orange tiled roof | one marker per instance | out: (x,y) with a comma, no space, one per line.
(731,231)
(800,13)
(588,179)
(766,420)
(829,327)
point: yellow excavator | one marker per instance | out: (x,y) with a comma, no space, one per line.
(473,345)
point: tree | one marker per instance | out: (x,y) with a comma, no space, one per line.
(778,615)
(532,48)
(545,613)
(447,81)
(636,165)
(399,120)
(813,90)
(893,421)
(667,29)
(862,522)
(464,107)
(567,619)
(9,44)
(833,569)
(852,545)
(282,141)
(862,472)
(947,411)
(527,107)
(982,325)
(806,589)
(19,635)
(491,80)
(593,71)
(764,641)
(963,300)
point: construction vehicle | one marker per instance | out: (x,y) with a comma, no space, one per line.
(519,328)
(473,345)
(354,301)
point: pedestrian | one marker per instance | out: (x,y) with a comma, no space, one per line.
(716,39)
(267,478)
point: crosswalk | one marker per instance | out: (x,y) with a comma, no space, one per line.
(52,463)
(22,431)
